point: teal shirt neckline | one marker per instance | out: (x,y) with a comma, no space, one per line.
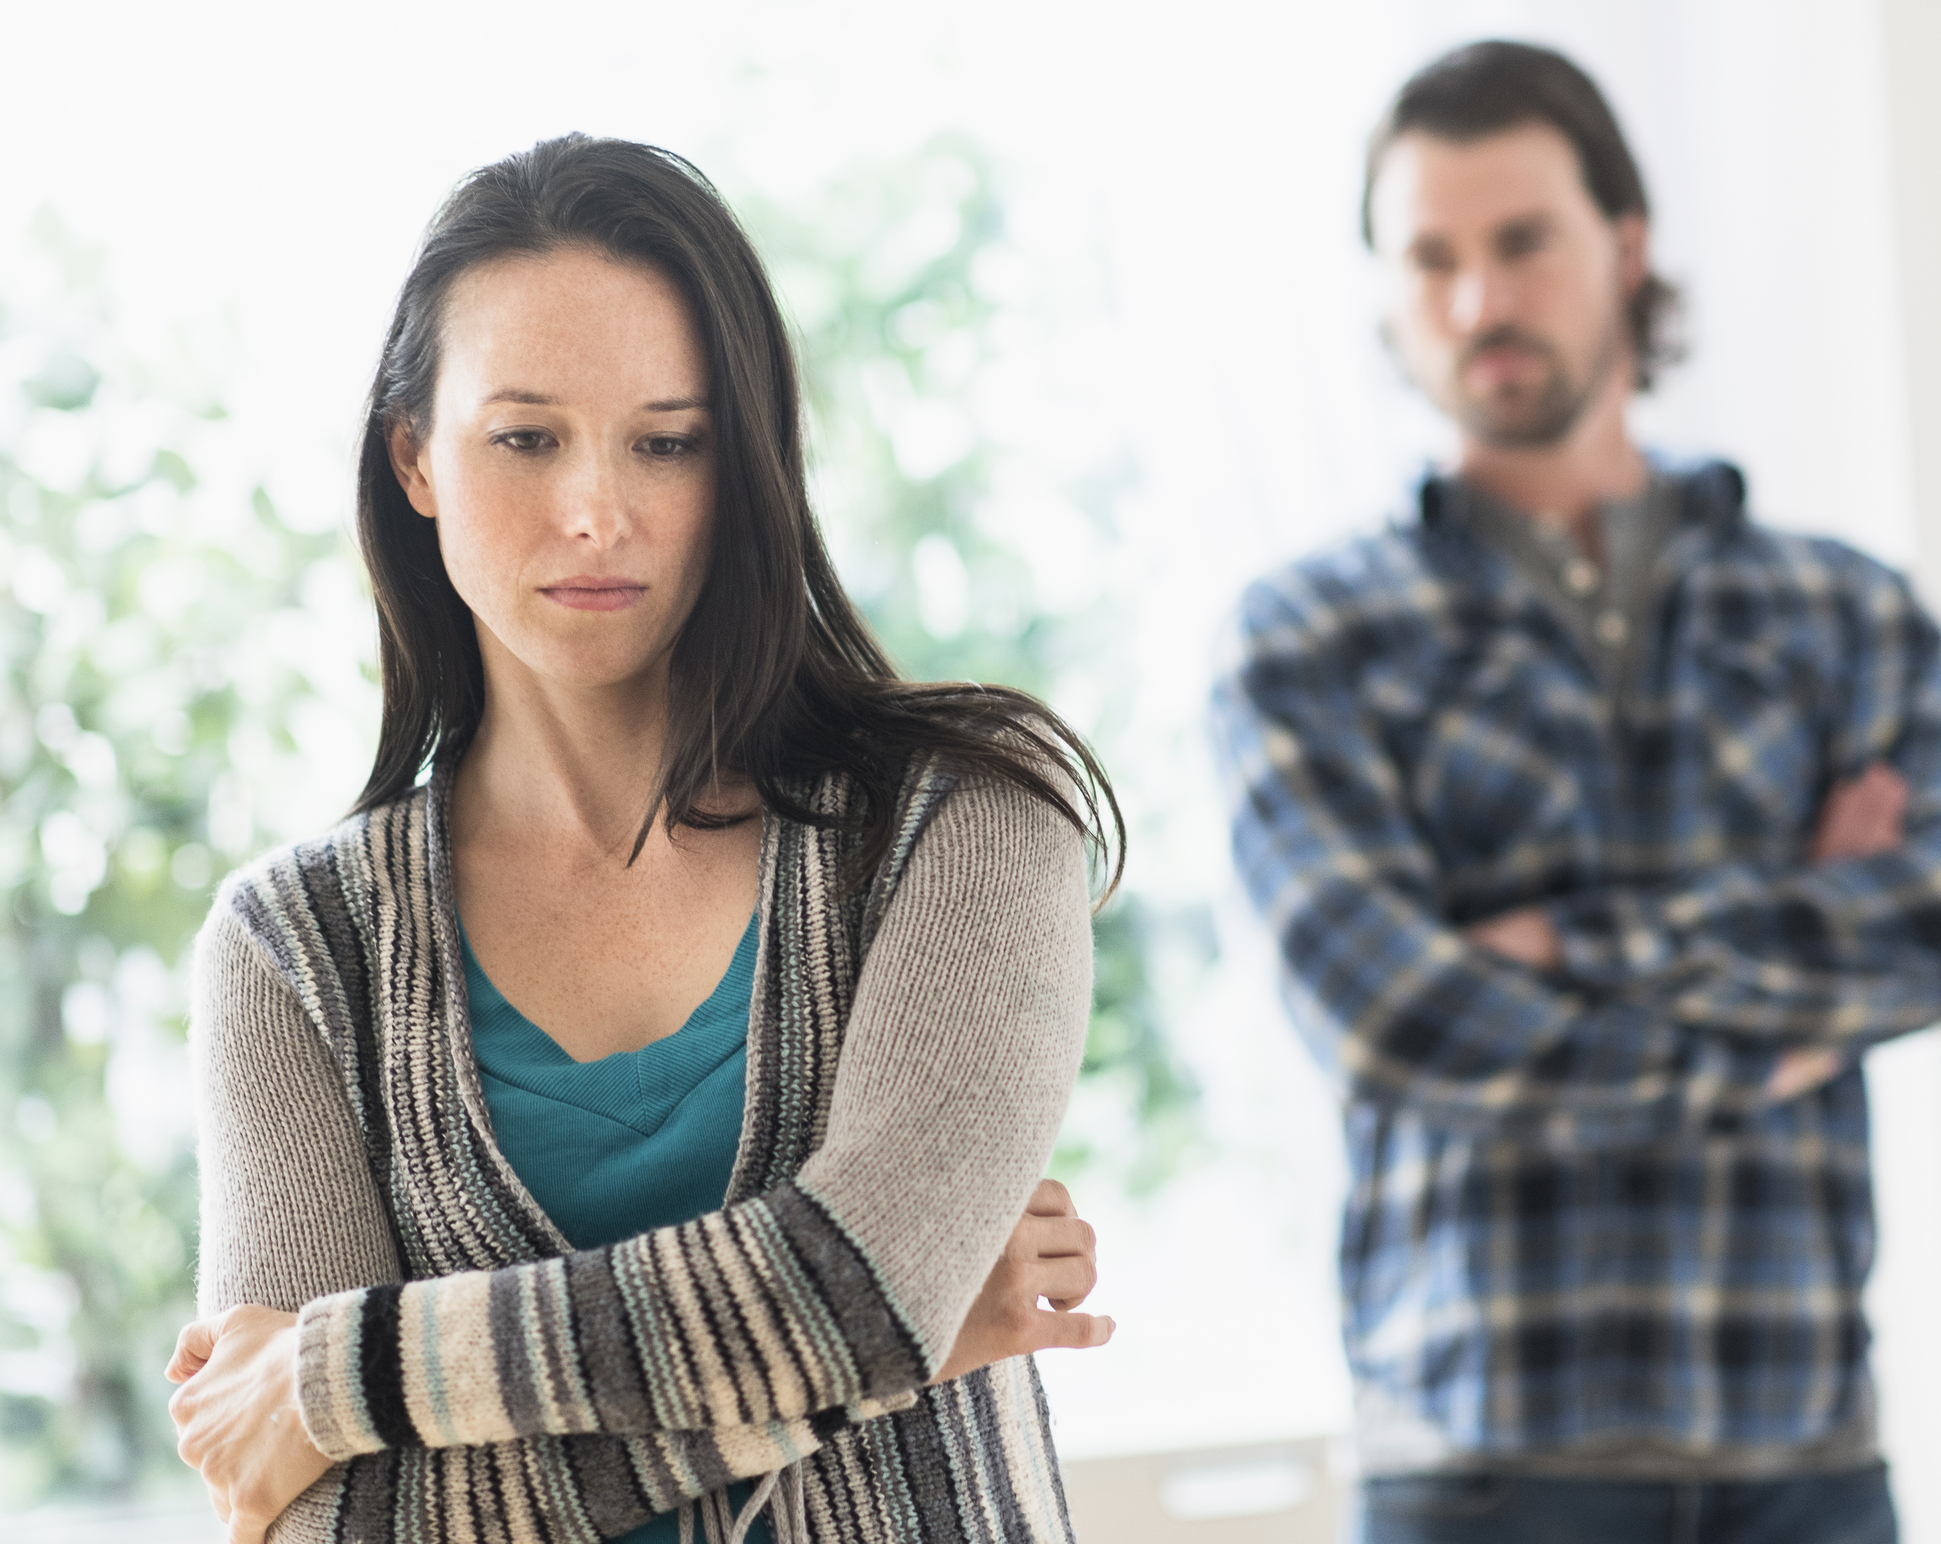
(635,1141)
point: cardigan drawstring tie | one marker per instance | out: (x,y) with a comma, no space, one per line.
(780,1492)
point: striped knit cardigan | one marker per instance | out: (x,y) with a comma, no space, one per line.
(911,1046)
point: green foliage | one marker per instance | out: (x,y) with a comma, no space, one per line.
(146,634)
(922,330)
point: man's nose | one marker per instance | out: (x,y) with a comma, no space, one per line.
(1477,301)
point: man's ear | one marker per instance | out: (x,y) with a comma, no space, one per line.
(407,465)
(1634,251)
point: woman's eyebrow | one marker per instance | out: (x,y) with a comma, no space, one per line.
(542,399)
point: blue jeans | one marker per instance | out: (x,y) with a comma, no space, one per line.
(1850,1508)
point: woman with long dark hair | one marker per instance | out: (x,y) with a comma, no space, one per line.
(634,1119)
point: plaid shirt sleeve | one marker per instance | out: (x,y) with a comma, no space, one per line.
(1390,996)
(1842,954)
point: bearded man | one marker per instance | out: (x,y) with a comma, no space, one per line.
(1599,829)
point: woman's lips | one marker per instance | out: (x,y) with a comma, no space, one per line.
(589,593)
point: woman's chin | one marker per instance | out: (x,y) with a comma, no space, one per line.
(572,659)
(569,670)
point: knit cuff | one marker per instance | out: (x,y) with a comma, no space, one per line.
(340,1340)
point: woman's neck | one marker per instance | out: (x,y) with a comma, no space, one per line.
(560,763)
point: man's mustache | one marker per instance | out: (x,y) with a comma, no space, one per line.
(1506,336)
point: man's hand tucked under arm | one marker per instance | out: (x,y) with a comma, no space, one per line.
(1862,817)
(1525,935)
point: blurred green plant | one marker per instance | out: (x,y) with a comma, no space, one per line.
(149,628)
(978,550)
(186,680)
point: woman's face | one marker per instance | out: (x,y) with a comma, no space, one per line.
(570,466)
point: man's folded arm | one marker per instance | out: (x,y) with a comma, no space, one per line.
(1847,953)
(1841,947)
(1407,1011)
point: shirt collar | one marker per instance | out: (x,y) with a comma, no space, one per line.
(1711,493)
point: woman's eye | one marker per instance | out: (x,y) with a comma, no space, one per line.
(666,446)
(522,439)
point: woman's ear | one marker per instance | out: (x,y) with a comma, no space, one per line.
(407,464)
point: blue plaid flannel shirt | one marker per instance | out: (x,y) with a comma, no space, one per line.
(1576,1220)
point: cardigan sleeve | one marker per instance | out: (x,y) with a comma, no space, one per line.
(829,1298)
(289,1208)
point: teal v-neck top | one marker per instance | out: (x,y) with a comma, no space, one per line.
(635,1141)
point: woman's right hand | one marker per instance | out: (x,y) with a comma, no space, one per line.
(1051,1254)
(238,1416)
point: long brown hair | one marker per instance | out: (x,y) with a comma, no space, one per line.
(775,675)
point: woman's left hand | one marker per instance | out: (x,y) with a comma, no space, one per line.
(237,1418)
(1052,1254)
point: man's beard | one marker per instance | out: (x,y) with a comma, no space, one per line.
(1524,419)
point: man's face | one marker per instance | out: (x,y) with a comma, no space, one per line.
(1507,284)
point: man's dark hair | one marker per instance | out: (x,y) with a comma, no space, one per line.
(1485,88)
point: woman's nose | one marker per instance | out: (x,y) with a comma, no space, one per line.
(597,502)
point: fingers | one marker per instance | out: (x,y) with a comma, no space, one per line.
(1885,780)
(1071,1331)
(1064,1282)
(1894,797)
(1525,935)
(1040,1238)
(180,1407)
(1881,797)
(192,1348)
(1800,1071)
(1050,1199)
(1054,1257)
(1862,816)
(1067,1280)
(1052,1254)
